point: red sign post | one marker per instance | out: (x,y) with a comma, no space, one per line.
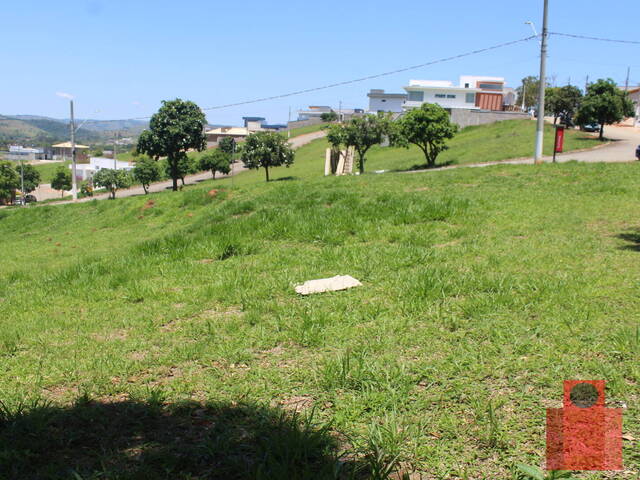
(559,143)
(584,434)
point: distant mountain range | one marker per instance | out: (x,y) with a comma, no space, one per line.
(43,131)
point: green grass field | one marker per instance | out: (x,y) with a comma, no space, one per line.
(160,336)
(47,170)
(485,143)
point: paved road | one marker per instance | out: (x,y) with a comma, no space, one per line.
(45,192)
(622,148)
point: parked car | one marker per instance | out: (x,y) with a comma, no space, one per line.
(591,127)
(27,199)
(638,152)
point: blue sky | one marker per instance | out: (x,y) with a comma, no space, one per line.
(121,58)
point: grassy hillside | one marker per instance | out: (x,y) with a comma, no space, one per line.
(47,170)
(166,335)
(484,143)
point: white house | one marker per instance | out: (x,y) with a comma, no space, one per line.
(473,92)
(26,154)
(85,171)
(380,101)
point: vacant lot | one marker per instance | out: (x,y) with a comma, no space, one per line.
(160,336)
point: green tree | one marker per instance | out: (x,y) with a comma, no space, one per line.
(146,171)
(176,128)
(227,145)
(112,180)
(31,177)
(329,117)
(9,182)
(186,166)
(62,180)
(562,102)
(361,133)
(428,127)
(267,150)
(605,104)
(529,89)
(217,161)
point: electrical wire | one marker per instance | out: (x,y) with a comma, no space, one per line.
(600,39)
(371,77)
(406,69)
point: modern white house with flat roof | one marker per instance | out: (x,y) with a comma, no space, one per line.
(86,171)
(472,92)
(381,101)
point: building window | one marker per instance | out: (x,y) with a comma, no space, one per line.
(470,98)
(416,96)
(466,85)
(451,96)
(440,95)
(490,86)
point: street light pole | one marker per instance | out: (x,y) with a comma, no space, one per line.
(74,183)
(542,82)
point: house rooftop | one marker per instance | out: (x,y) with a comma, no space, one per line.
(377,93)
(228,131)
(68,145)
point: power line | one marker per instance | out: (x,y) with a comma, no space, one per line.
(405,69)
(369,77)
(600,39)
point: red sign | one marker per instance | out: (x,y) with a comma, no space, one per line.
(584,434)
(559,139)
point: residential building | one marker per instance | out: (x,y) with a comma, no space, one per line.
(634,95)
(380,101)
(313,112)
(253,123)
(62,151)
(215,135)
(26,154)
(86,171)
(472,92)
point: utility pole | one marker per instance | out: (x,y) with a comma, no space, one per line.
(24,203)
(524,94)
(74,183)
(288,127)
(586,85)
(115,154)
(340,112)
(542,81)
(626,83)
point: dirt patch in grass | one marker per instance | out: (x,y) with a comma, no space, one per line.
(120,334)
